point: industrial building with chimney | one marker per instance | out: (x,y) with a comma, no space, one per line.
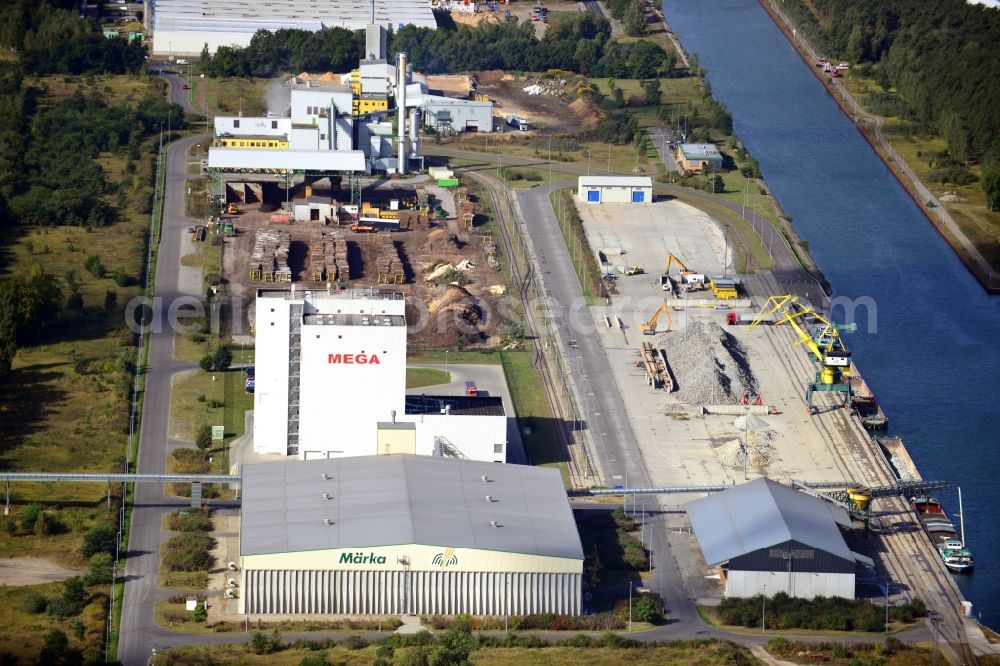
(331,382)
(337,129)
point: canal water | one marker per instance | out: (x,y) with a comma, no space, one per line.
(933,356)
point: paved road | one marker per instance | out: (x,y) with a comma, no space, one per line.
(150,503)
(617,451)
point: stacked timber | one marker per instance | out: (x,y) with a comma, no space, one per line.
(389,264)
(328,256)
(466,213)
(269,257)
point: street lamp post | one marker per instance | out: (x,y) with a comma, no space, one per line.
(763,610)
(630,607)
(588,162)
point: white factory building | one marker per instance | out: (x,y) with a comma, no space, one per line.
(615,189)
(184,27)
(764,537)
(407,534)
(331,383)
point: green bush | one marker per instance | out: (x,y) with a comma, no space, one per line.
(189,520)
(34,603)
(101,568)
(101,538)
(203,438)
(30,516)
(190,551)
(95,266)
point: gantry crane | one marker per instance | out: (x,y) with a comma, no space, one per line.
(649,328)
(824,344)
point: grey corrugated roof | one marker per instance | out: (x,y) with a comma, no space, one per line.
(761,514)
(404,499)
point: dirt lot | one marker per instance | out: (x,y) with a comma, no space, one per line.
(16,571)
(453,311)
(521,10)
(547,108)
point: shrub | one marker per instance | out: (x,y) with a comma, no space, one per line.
(101,568)
(188,552)
(34,603)
(101,538)
(187,520)
(199,614)
(203,438)
(95,266)
(645,610)
(30,516)
(314,660)
(355,642)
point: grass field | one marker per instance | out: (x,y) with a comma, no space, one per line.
(534,416)
(232,96)
(24,632)
(442,357)
(420,377)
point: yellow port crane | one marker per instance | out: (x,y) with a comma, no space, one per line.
(649,328)
(826,347)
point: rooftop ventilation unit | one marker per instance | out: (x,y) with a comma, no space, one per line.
(232,566)
(327,521)
(325,476)
(327,496)
(494,523)
(485,478)
(489,499)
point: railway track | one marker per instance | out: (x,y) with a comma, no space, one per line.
(905,554)
(523,280)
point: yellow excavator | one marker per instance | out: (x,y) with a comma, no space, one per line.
(649,328)
(688,276)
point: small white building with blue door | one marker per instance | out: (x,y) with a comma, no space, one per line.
(615,189)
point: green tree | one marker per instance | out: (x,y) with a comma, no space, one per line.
(101,538)
(718,185)
(652,90)
(453,648)
(644,610)
(9,325)
(199,614)
(619,98)
(203,438)
(990,184)
(259,643)
(314,660)
(204,60)
(634,20)
(101,567)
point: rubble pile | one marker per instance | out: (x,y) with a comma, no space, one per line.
(710,366)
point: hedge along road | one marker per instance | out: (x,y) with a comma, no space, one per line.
(786,270)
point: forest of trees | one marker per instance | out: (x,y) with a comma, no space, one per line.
(582,45)
(51,38)
(940,57)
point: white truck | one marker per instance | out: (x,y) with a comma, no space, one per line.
(518,123)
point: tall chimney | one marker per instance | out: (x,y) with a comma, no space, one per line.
(415,132)
(401,111)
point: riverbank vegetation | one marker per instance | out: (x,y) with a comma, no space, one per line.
(928,70)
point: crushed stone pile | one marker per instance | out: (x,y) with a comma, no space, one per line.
(759,442)
(709,365)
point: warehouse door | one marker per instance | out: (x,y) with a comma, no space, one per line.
(471,126)
(594,196)
(638,197)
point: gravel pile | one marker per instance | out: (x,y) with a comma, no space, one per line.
(760,443)
(709,365)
